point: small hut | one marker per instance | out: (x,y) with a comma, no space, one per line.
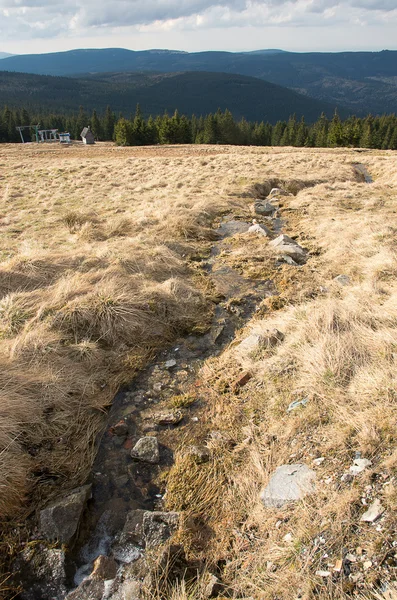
(87,136)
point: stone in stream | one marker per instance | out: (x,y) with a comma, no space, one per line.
(61,519)
(288,483)
(264,208)
(105,568)
(147,450)
(42,573)
(260,230)
(89,589)
(287,246)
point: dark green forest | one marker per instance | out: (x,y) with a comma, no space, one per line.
(218,128)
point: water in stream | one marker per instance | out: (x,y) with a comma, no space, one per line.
(119,484)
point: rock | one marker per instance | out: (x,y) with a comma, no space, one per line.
(149,426)
(264,208)
(41,573)
(287,246)
(342,280)
(359,465)
(171,418)
(288,483)
(105,568)
(213,588)
(60,520)
(147,450)
(128,590)
(350,557)
(277,192)
(242,380)
(89,589)
(170,363)
(288,538)
(284,258)
(297,404)
(323,573)
(133,528)
(256,342)
(375,511)
(260,230)
(158,527)
(200,454)
(319,461)
(120,429)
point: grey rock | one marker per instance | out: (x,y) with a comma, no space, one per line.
(260,230)
(133,528)
(297,404)
(342,280)
(170,363)
(213,588)
(264,208)
(170,418)
(105,568)
(287,246)
(373,513)
(288,483)
(359,465)
(41,573)
(284,258)
(89,589)
(277,192)
(256,342)
(200,454)
(60,520)
(129,589)
(147,450)
(158,527)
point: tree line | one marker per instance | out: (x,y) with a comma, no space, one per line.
(218,128)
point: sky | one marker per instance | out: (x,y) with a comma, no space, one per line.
(35,26)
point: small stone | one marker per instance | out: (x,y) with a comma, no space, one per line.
(213,588)
(284,258)
(350,557)
(158,527)
(359,465)
(264,208)
(171,418)
(200,454)
(342,280)
(288,538)
(277,192)
(297,404)
(347,478)
(288,483)
(105,568)
(286,245)
(120,429)
(169,364)
(356,577)
(323,573)
(146,450)
(270,566)
(149,426)
(338,566)
(260,230)
(367,565)
(319,461)
(242,380)
(375,511)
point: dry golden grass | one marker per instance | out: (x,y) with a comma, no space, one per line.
(95,277)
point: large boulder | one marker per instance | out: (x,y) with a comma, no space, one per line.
(288,483)
(287,246)
(60,521)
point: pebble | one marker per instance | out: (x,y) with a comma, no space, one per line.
(374,512)
(169,364)
(350,557)
(367,565)
(319,461)
(323,573)
(359,465)
(288,537)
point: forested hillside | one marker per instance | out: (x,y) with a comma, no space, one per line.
(190,93)
(363,81)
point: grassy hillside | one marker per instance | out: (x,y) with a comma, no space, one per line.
(90,293)
(191,93)
(361,80)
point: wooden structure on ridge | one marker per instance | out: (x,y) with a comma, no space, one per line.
(87,136)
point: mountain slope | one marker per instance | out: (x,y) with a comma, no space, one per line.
(193,92)
(363,81)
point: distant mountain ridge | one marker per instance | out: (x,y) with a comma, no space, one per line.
(362,81)
(5,55)
(191,93)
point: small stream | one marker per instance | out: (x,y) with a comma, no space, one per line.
(120,484)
